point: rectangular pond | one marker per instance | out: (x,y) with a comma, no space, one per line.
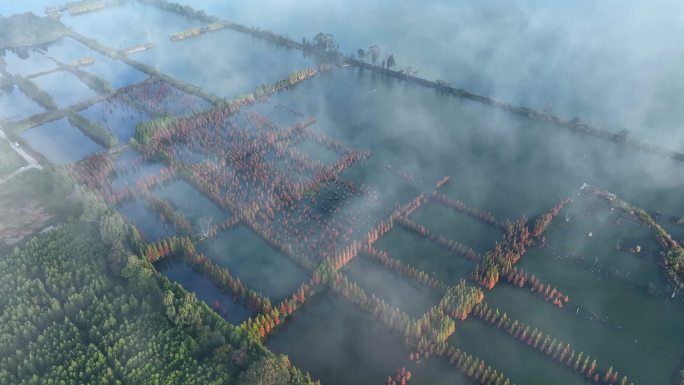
(60,142)
(225,63)
(260,266)
(65,88)
(14,105)
(396,290)
(423,254)
(132,169)
(519,362)
(119,117)
(339,344)
(193,281)
(454,225)
(150,225)
(115,72)
(196,207)
(27,61)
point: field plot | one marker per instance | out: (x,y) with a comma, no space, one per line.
(255,262)
(14,105)
(339,344)
(60,142)
(231,72)
(65,88)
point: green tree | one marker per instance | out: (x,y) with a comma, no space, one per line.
(266,371)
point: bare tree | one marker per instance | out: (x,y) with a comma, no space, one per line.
(205,225)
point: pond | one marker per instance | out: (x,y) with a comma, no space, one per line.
(60,142)
(150,225)
(14,105)
(195,282)
(196,207)
(119,117)
(258,265)
(225,63)
(423,254)
(27,62)
(144,23)
(519,362)
(115,72)
(65,88)
(396,290)
(530,53)
(453,225)
(133,169)
(338,344)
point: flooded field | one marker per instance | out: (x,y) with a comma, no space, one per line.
(357,220)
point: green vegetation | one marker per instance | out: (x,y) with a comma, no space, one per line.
(84,310)
(27,29)
(9,159)
(94,131)
(144,131)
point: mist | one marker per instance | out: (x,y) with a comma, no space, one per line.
(278,196)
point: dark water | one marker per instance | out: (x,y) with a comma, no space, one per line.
(206,291)
(338,344)
(60,142)
(441,220)
(396,290)
(258,265)
(422,254)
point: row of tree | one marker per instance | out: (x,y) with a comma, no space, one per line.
(545,343)
(459,206)
(544,220)
(499,261)
(519,277)
(409,271)
(449,244)
(401,377)
(473,367)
